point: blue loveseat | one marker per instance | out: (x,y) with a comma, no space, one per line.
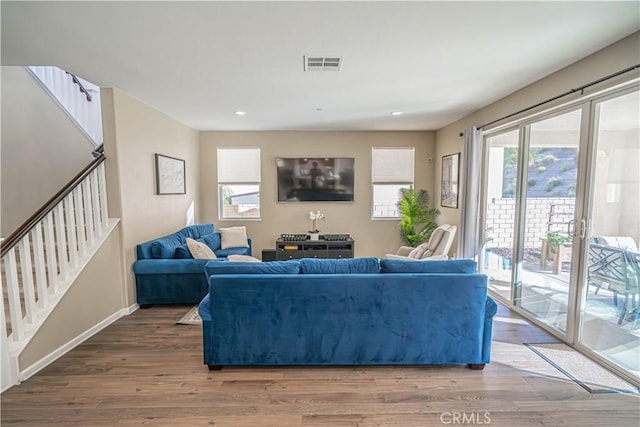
(165,271)
(346,312)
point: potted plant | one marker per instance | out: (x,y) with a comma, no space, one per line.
(417,218)
(555,239)
(314,233)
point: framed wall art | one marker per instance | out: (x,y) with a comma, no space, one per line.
(170,175)
(450,171)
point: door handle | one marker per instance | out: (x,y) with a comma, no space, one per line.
(583,229)
(570,228)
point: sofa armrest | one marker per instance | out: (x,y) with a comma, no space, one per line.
(490,310)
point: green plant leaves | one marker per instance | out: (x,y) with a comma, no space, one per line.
(417,218)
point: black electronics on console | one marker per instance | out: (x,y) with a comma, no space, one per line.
(336,237)
(289,237)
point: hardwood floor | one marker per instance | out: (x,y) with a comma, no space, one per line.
(146,370)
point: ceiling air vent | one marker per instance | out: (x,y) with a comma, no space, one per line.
(322,63)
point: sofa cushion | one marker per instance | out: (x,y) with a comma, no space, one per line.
(419,251)
(242,258)
(198,230)
(234,237)
(232,251)
(435,239)
(182,252)
(165,247)
(623,242)
(199,250)
(169,267)
(340,266)
(464,266)
(274,267)
(213,240)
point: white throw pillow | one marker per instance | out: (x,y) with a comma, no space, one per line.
(242,258)
(200,250)
(234,237)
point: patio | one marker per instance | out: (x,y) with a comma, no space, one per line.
(545,295)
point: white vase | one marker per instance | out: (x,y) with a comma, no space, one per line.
(314,236)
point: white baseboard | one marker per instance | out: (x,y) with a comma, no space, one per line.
(61,351)
(131,309)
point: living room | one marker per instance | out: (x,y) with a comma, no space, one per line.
(135,130)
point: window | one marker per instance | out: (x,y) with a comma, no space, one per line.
(391,170)
(238,183)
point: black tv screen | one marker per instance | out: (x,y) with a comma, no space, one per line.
(311,179)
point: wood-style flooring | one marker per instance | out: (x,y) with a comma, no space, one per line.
(146,370)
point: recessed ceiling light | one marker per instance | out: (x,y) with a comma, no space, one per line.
(396,113)
(240,113)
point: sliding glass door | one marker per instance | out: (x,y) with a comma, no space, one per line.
(610,323)
(547,200)
(496,258)
(561,196)
(529,197)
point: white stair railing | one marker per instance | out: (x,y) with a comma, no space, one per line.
(44,257)
(79,98)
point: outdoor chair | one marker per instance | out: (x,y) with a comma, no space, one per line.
(616,269)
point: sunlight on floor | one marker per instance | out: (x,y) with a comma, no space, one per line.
(545,296)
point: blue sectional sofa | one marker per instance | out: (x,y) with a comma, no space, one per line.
(346,312)
(167,274)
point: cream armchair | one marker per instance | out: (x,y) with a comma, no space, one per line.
(436,248)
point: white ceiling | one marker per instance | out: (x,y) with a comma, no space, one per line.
(201,61)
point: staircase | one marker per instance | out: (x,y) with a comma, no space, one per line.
(41,260)
(77,97)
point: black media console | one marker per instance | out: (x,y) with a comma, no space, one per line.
(294,249)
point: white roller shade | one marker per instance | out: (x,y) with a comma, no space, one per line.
(392,165)
(238,165)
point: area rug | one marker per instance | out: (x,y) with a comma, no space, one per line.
(580,369)
(191,318)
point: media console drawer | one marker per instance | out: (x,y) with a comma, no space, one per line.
(341,254)
(288,254)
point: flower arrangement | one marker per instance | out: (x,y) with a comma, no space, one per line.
(315,216)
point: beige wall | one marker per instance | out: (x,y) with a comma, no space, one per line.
(372,237)
(92,298)
(133,132)
(616,57)
(42,149)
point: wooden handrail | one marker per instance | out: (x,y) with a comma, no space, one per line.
(34,219)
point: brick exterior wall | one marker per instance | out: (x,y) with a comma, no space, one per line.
(500,219)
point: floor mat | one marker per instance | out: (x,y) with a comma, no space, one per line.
(582,370)
(191,318)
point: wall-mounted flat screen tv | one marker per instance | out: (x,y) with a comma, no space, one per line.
(315,179)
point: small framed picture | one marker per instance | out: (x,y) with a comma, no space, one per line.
(449,194)
(170,175)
